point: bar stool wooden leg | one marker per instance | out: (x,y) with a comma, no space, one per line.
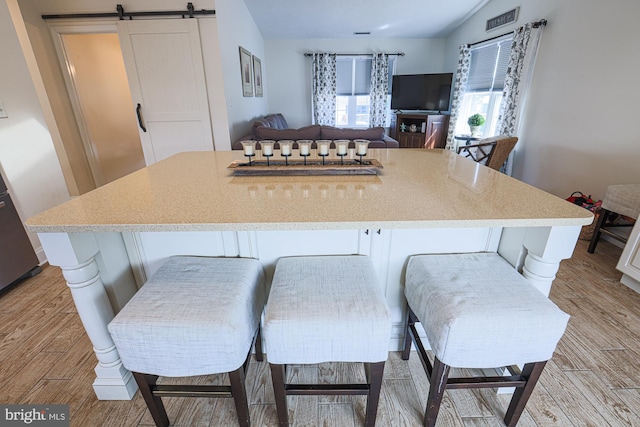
(410,320)
(258,345)
(602,219)
(437,386)
(239,393)
(154,403)
(278,378)
(531,372)
(374,372)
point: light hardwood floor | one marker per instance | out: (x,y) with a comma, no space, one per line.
(592,380)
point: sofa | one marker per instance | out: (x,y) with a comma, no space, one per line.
(275,127)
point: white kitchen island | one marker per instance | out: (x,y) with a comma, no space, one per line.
(107,242)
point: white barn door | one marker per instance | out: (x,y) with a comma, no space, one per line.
(164,66)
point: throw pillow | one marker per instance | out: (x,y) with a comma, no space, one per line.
(307,132)
(372,134)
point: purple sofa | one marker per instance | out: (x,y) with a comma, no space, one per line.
(275,127)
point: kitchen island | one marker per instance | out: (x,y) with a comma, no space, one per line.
(107,242)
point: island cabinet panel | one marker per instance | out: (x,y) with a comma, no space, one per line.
(629,263)
(154,248)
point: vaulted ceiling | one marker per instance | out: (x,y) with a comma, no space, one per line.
(305,19)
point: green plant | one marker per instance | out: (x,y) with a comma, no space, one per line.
(476,120)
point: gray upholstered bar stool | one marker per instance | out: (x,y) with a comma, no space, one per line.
(479,312)
(195,316)
(326,309)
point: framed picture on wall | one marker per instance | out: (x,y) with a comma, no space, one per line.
(245,71)
(257,75)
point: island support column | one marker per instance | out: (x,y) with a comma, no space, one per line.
(75,254)
(546,247)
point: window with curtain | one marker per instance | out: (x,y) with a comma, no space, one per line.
(353,88)
(483,94)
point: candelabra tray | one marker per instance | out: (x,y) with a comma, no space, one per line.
(312,167)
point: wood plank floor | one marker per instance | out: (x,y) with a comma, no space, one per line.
(592,380)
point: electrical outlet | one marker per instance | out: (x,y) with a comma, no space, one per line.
(3,112)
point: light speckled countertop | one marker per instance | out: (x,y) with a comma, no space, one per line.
(416,189)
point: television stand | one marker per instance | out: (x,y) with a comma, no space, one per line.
(430,129)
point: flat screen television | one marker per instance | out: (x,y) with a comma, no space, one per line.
(421,92)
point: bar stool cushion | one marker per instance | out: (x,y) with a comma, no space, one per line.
(623,199)
(479,312)
(195,316)
(326,308)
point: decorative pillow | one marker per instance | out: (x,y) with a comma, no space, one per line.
(275,121)
(307,132)
(330,132)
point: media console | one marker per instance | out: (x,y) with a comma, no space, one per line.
(420,130)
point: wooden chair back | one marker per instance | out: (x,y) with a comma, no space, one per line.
(491,152)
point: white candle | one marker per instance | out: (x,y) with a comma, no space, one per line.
(341,149)
(267,149)
(324,149)
(248,149)
(304,149)
(362,148)
(285,149)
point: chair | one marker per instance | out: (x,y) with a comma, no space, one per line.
(478,312)
(195,316)
(326,309)
(618,200)
(491,152)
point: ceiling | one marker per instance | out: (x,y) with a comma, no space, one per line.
(306,19)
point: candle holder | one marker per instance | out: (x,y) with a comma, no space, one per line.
(323,148)
(285,150)
(249,148)
(342,147)
(267,148)
(305,148)
(361,147)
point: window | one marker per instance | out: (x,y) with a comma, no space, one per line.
(483,94)
(353,86)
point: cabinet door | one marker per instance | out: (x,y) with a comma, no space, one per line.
(171,100)
(629,262)
(437,126)
(411,140)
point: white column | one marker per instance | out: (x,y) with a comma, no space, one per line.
(75,254)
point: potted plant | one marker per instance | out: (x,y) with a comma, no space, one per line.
(476,122)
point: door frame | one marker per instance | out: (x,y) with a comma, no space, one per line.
(58,29)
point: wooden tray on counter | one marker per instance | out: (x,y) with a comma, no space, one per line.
(313,167)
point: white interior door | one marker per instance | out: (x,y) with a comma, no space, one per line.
(164,66)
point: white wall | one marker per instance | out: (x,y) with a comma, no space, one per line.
(289,71)
(27,154)
(237,28)
(580,131)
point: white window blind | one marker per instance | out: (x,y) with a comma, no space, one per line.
(489,66)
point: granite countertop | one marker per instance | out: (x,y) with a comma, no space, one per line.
(416,188)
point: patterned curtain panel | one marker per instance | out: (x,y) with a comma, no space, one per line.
(324,88)
(379,90)
(462,75)
(524,50)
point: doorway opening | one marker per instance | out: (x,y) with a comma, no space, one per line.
(102,103)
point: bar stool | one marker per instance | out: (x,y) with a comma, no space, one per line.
(195,316)
(326,309)
(618,199)
(478,312)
